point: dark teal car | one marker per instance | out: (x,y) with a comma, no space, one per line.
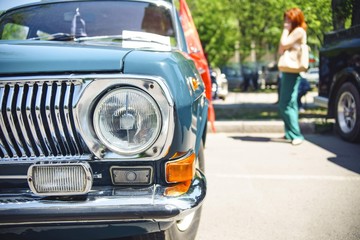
(102,122)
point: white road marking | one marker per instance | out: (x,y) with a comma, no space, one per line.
(286,177)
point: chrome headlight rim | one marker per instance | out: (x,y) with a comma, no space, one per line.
(108,143)
(98,85)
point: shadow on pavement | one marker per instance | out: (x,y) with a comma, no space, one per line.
(252,139)
(347,154)
(260,139)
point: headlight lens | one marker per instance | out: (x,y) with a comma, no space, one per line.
(127,121)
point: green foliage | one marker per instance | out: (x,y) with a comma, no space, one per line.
(222,23)
(14,31)
(218,33)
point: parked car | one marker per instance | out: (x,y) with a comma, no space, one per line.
(219,84)
(312,76)
(251,77)
(339,86)
(234,76)
(102,122)
(270,75)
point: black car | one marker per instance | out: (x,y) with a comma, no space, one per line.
(339,82)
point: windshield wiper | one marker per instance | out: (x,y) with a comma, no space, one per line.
(120,38)
(55,37)
(110,37)
(70,37)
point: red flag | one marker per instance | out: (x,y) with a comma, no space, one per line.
(197,54)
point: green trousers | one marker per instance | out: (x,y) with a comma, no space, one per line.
(288,107)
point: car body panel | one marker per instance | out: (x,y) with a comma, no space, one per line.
(69,57)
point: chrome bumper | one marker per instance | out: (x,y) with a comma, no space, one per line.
(101,206)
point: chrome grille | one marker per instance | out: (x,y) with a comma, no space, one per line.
(37,119)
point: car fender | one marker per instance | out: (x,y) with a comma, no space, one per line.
(349,74)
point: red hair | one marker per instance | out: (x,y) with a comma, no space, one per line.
(296,17)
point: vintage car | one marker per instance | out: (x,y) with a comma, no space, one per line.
(102,122)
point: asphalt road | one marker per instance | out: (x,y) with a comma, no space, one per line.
(263,189)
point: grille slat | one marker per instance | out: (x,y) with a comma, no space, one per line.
(20,120)
(29,120)
(3,152)
(48,119)
(74,91)
(5,138)
(65,116)
(11,123)
(59,113)
(37,120)
(40,125)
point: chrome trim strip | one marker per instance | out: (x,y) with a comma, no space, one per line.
(2,177)
(84,157)
(67,222)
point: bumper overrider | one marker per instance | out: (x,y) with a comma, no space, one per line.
(101,206)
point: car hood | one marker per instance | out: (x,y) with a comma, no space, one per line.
(28,57)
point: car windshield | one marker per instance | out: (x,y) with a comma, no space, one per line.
(90,20)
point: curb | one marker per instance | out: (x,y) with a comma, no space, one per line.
(271,126)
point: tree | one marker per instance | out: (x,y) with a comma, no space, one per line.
(218,33)
(255,25)
(341,11)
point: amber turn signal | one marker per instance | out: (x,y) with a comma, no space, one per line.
(178,189)
(195,83)
(181,170)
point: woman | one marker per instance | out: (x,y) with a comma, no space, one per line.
(294,33)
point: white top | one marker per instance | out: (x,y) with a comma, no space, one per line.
(296,37)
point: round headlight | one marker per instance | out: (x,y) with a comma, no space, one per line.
(127,121)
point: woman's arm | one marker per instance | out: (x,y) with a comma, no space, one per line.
(288,40)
